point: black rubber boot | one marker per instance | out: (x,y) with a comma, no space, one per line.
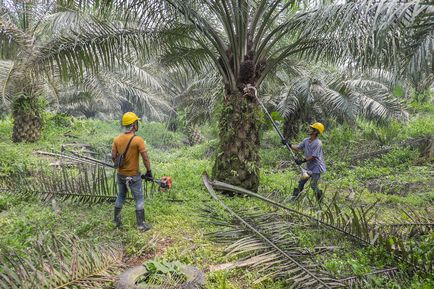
(319,196)
(295,194)
(140,218)
(117,218)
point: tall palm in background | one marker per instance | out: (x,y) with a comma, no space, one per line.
(193,97)
(25,26)
(112,92)
(34,32)
(323,94)
(17,40)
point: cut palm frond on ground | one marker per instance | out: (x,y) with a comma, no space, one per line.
(60,262)
(275,259)
(357,223)
(342,228)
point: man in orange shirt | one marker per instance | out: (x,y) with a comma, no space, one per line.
(128,173)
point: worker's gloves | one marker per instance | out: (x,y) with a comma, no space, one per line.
(285,141)
(148,176)
(300,161)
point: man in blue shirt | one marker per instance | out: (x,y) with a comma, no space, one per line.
(314,158)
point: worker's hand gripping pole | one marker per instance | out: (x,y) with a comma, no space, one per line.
(275,126)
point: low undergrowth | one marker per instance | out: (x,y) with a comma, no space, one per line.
(180,230)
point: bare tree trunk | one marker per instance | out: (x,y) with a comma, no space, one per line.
(237,160)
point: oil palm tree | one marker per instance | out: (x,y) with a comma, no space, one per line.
(30,29)
(16,40)
(246,40)
(24,26)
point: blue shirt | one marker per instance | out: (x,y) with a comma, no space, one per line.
(313,149)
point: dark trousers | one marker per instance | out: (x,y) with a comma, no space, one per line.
(313,183)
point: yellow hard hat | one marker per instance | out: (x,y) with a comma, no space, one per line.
(318,126)
(129,118)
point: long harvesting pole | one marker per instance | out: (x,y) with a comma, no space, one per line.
(275,125)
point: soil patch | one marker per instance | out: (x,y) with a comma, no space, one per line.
(162,245)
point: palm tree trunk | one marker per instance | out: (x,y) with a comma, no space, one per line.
(291,126)
(237,160)
(27,119)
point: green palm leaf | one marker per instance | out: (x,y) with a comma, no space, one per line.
(60,262)
(341,96)
(6,71)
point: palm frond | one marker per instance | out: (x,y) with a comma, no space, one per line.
(144,74)
(87,49)
(12,39)
(346,97)
(89,185)
(107,92)
(418,50)
(344,227)
(149,101)
(275,260)
(358,223)
(57,23)
(6,69)
(60,262)
(380,107)
(181,47)
(372,34)
(196,94)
